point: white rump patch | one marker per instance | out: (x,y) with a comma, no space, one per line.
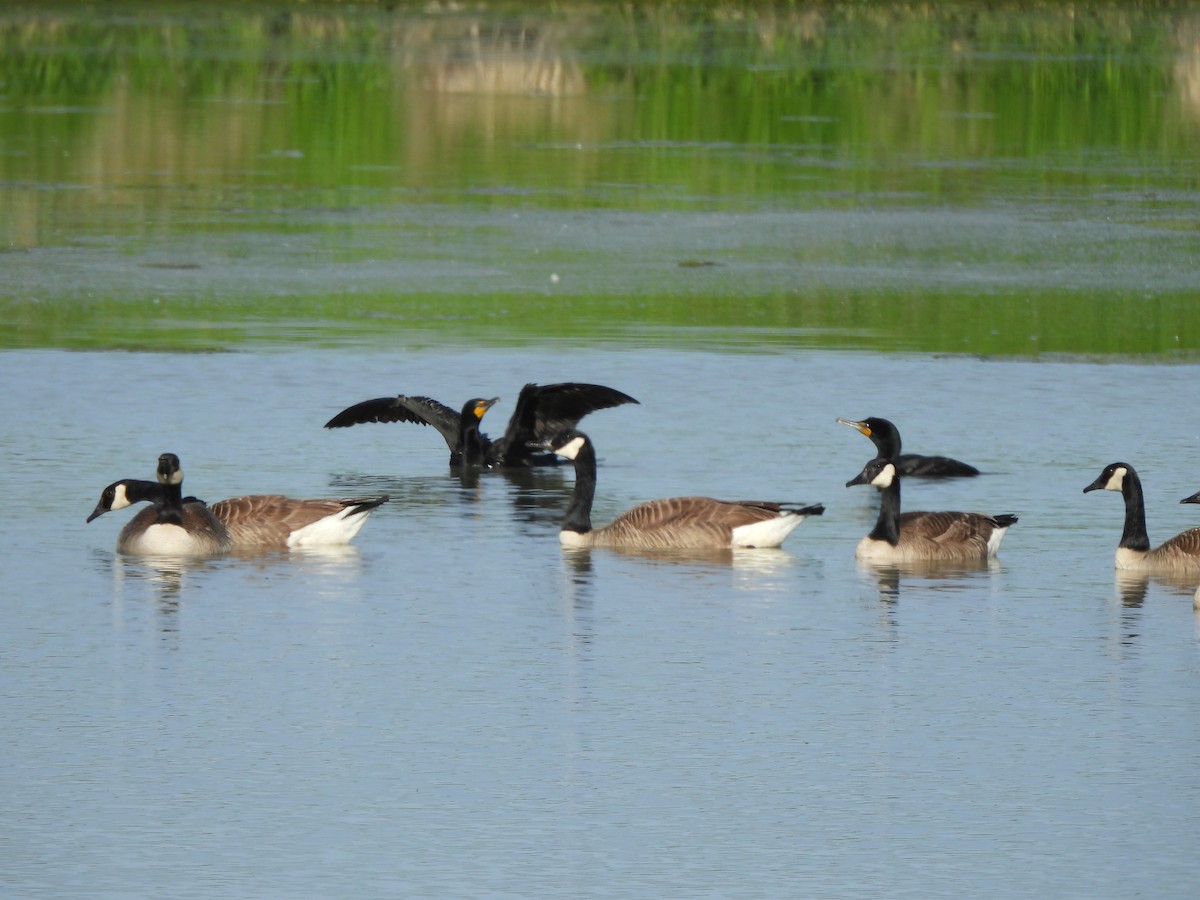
(571,448)
(1116,480)
(994,540)
(769,533)
(339,528)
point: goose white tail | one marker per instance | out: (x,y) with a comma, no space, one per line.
(339,528)
(770,533)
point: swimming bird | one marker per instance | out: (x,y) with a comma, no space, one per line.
(169,527)
(541,411)
(251,522)
(687,523)
(266,521)
(1194,498)
(1179,554)
(928,536)
(886,438)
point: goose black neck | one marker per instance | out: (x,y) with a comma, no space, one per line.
(887,526)
(170,507)
(579,513)
(1134,537)
(136,491)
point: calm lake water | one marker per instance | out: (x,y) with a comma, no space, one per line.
(980,225)
(456,706)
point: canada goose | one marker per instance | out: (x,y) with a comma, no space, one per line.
(1194,498)
(542,411)
(266,521)
(253,522)
(169,527)
(1179,554)
(678,523)
(907,537)
(886,438)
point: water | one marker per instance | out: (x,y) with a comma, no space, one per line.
(456,706)
(221,226)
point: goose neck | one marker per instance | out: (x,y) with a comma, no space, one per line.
(1134,537)
(579,512)
(887,525)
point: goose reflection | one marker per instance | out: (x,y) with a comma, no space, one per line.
(537,497)
(331,558)
(930,574)
(1133,587)
(166,577)
(747,559)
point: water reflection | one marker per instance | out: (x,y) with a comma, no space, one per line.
(580,586)
(1187,65)
(409,492)
(481,57)
(330,558)
(1132,587)
(537,497)
(748,559)
(744,558)
(168,580)
(931,574)
(165,575)
(165,578)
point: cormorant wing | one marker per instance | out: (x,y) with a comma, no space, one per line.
(544,411)
(419,410)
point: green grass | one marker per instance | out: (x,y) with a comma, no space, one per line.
(150,127)
(1164,328)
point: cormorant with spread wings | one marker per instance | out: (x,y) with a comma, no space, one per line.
(542,411)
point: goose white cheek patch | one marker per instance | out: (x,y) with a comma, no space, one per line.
(1117,481)
(120,498)
(885,477)
(571,449)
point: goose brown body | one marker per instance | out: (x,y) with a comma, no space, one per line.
(676,523)
(274,521)
(1178,555)
(691,523)
(946,536)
